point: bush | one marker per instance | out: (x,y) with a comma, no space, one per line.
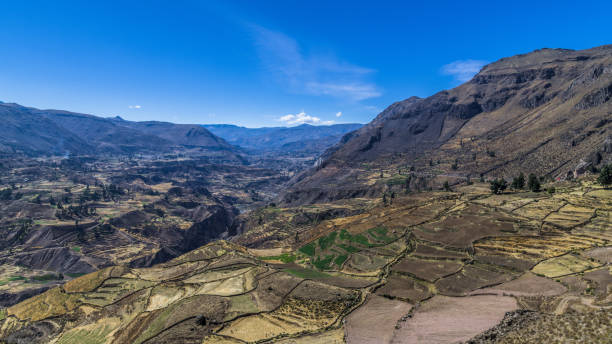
(447,186)
(551,190)
(498,185)
(518,182)
(605,176)
(533,183)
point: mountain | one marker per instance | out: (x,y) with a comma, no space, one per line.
(181,134)
(547,112)
(22,131)
(43,132)
(305,138)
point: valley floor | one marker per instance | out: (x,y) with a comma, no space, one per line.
(430,267)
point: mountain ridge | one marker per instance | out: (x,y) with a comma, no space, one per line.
(305,138)
(544,112)
(89,134)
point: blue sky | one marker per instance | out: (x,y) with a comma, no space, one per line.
(267,63)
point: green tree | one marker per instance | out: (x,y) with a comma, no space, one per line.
(533,183)
(605,176)
(447,186)
(518,182)
(498,185)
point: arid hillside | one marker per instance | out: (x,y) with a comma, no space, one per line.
(430,267)
(547,112)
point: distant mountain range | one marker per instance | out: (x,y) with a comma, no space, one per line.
(53,132)
(36,132)
(305,138)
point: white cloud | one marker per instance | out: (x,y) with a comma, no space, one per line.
(352,91)
(134,106)
(311,73)
(303,118)
(339,113)
(463,70)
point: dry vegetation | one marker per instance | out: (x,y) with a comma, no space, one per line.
(437,267)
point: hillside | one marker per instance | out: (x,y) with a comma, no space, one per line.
(544,112)
(431,267)
(22,131)
(305,138)
(53,132)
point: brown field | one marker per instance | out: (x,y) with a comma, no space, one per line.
(374,322)
(445,319)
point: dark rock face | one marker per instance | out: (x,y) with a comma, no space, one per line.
(8,299)
(595,98)
(60,259)
(212,223)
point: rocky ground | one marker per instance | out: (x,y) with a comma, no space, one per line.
(62,218)
(439,267)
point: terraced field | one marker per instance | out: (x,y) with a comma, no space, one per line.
(435,267)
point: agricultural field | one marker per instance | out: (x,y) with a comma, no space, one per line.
(62,218)
(430,267)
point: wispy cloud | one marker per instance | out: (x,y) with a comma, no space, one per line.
(303,118)
(135,106)
(310,73)
(463,70)
(339,114)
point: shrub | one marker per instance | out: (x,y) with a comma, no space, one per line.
(498,185)
(446,186)
(533,183)
(551,190)
(518,182)
(605,176)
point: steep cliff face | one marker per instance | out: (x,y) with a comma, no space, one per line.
(540,112)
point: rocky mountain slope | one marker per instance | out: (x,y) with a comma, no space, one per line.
(52,132)
(544,112)
(22,131)
(305,138)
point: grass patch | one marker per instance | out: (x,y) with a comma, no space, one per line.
(361,239)
(46,278)
(306,273)
(285,258)
(345,235)
(340,259)
(11,279)
(380,234)
(76,249)
(396,180)
(308,249)
(323,264)
(349,248)
(75,274)
(327,241)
